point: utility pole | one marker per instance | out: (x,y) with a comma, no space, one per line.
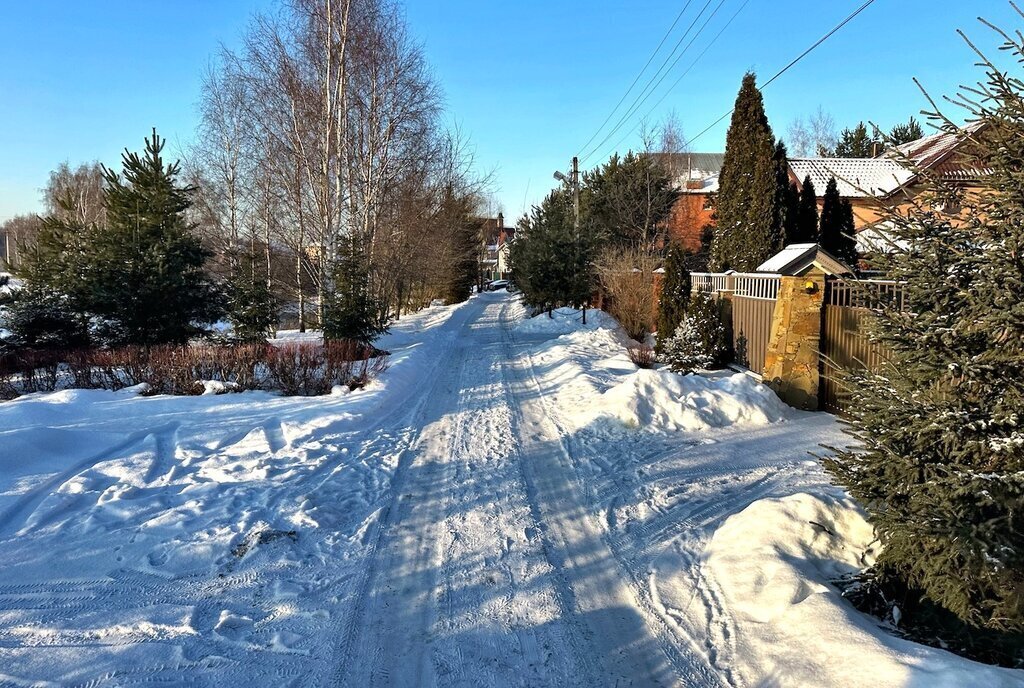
(574,183)
(576,197)
(576,214)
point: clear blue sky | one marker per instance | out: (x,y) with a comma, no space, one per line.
(528,81)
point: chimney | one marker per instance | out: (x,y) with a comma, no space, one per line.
(501,221)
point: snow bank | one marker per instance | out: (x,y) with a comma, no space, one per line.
(772,563)
(566,320)
(660,400)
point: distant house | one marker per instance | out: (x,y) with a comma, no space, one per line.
(696,177)
(890,180)
(870,184)
(496,240)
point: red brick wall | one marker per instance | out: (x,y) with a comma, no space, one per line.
(688,219)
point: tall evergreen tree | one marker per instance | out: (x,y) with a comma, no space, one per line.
(551,261)
(856,143)
(837,229)
(675,294)
(940,466)
(783,199)
(906,132)
(747,217)
(792,224)
(807,222)
(140,276)
(350,310)
(626,201)
(145,273)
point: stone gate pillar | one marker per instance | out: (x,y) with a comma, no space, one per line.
(791,365)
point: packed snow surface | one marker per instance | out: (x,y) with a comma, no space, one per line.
(511,504)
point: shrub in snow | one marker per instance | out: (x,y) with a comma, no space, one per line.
(675,295)
(641,356)
(941,468)
(311,369)
(299,369)
(700,342)
(41,318)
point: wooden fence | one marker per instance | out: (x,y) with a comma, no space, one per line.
(752,299)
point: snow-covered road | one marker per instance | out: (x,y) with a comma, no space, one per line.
(470,521)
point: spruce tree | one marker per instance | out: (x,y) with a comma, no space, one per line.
(747,218)
(675,294)
(40,318)
(466,246)
(251,304)
(940,466)
(856,143)
(701,340)
(905,133)
(139,278)
(807,224)
(351,312)
(144,271)
(551,261)
(837,228)
(626,200)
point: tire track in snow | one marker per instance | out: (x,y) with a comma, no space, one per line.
(18,514)
(426,612)
(593,568)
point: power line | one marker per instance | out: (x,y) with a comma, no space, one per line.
(645,93)
(639,74)
(683,75)
(785,69)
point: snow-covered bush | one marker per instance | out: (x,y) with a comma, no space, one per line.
(700,342)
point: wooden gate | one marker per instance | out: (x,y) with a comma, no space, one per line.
(845,344)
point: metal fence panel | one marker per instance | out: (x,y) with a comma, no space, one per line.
(845,344)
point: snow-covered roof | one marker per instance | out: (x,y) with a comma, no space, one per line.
(855,177)
(702,185)
(795,258)
(929,150)
(875,177)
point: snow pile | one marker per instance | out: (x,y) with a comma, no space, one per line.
(772,564)
(566,320)
(660,400)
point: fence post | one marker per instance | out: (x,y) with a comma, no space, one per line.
(791,365)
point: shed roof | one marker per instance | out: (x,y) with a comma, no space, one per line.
(795,258)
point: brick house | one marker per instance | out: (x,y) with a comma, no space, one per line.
(697,180)
(870,184)
(495,240)
(874,184)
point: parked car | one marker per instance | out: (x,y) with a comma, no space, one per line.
(497,285)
